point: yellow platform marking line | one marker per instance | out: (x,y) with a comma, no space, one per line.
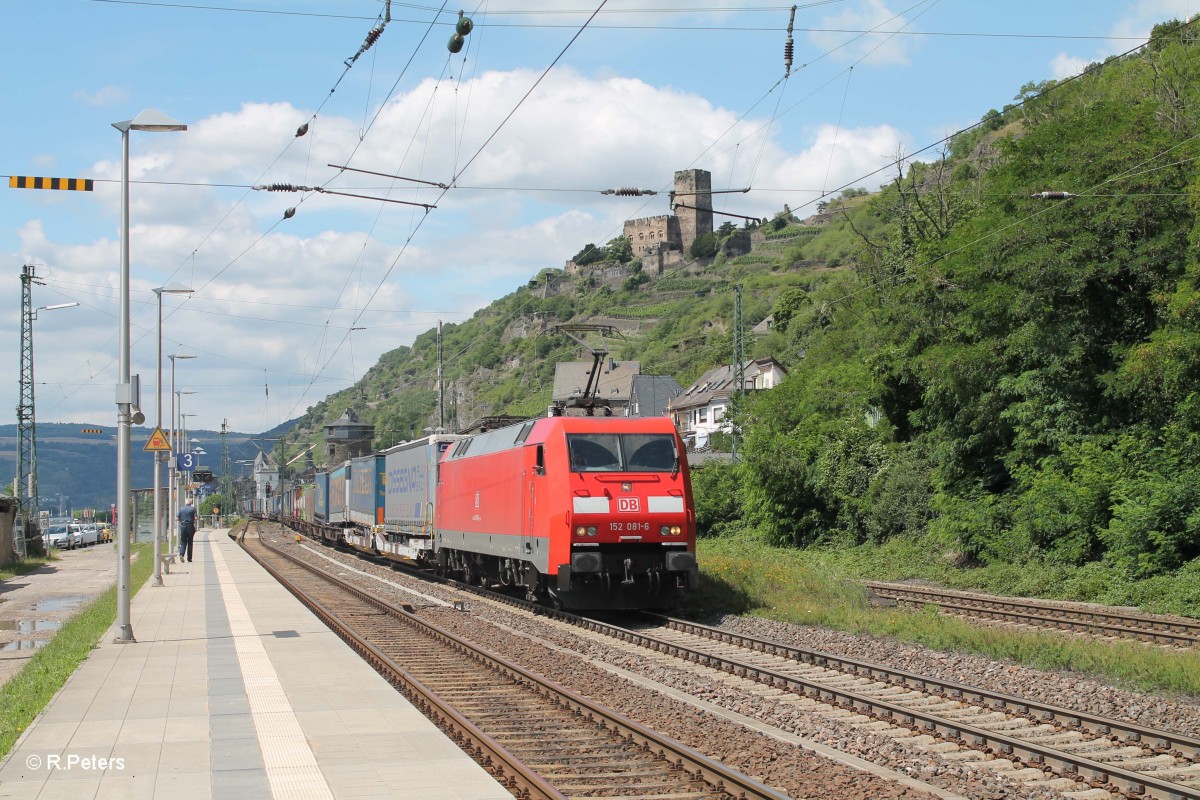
(292,769)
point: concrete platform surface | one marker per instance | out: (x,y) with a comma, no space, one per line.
(233,689)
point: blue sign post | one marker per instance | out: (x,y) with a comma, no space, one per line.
(185,462)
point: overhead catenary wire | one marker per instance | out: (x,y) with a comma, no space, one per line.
(372,37)
(1139,169)
(945,139)
(1133,171)
(466,166)
(489,187)
(673,26)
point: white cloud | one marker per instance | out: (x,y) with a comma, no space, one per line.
(1145,14)
(1131,28)
(104,97)
(275,298)
(1065,66)
(834,159)
(873,48)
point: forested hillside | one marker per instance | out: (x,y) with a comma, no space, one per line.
(1015,374)
(1009,375)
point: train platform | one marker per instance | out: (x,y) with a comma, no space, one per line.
(233,689)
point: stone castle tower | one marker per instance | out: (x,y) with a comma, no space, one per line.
(693,188)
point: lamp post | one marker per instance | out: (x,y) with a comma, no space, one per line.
(172,504)
(153,121)
(158,455)
(198,496)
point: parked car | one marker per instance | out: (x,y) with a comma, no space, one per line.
(59,535)
(76,533)
(91,533)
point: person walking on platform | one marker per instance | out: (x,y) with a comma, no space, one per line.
(187,529)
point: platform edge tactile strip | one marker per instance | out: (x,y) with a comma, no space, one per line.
(291,766)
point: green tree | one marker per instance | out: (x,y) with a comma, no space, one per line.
(705,246)
(215,501)
(619,249)
(590,254)
(787,304)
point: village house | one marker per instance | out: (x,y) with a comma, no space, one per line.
(620,386)
(700,411)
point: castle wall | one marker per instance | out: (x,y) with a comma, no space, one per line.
(647,234)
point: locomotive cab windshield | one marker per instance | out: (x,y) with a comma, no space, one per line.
(622,452)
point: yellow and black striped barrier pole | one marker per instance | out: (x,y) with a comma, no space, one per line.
(70,184)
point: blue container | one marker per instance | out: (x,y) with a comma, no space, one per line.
(338,510)
(321,497)
(367,485)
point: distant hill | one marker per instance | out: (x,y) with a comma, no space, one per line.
(78,470)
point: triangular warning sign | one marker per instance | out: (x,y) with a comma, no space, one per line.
(158,441)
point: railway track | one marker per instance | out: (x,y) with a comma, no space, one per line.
(1102,752)
(1042,744)
(1058,616)
(1098,752)
(539,739)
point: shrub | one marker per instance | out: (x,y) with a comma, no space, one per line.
(716,489)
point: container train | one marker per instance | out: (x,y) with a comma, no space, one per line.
(582,512)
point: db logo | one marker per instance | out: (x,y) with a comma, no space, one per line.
(627,505)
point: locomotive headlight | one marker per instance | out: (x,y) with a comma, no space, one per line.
(670,530)
(581,530)
(591,530)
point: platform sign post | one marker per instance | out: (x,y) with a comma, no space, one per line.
(157,444)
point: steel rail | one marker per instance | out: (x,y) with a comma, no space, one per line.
(1067,763)
(1162,740)
(485,750)
(715,773)
(1183,633)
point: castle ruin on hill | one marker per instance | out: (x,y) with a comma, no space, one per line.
(663,241)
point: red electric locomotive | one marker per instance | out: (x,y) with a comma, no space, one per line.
(591,512)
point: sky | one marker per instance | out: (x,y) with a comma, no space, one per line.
(515,138)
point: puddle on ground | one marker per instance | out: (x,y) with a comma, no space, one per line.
(27,626)
(22,644)
(59,603)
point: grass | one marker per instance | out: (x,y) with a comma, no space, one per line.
(24,696)
(741,575)
(24,566)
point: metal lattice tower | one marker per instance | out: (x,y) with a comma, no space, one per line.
(739,344)
(26,488)
(226,470)
(739,359)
